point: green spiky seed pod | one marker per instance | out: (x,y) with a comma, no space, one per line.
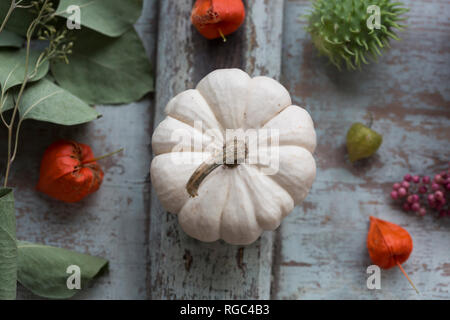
(339,29)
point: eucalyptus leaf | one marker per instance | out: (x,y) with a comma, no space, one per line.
(20,18)
(12,67)
(110,17)
(46,101)
(105,70)
(45,271)
(8,247)
(10,39)
(7,104)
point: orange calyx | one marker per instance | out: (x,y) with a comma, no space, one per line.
(62,174)
(217,18)
(389,245)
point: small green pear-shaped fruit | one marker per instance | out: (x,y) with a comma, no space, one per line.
(362,142)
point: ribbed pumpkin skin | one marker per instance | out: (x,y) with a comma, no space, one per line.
(236,203)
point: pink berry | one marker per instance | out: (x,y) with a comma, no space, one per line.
(447,186)
(402,192)
(435,186)
(396,186)
(407,177)
(423,189)
(405,184)
(439,195)
(438,178)
(426,179)
(415,198)
(410,199)
(406,207)
(416,179)
(415,206)
(394,195)
(422,211)
(430,197)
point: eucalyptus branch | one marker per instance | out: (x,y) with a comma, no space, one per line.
(30,32)
(16,141)
(8,14)
(3,99)
(14,4)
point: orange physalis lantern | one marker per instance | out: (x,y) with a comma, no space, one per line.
(217,18)
(389,245)
(69,171)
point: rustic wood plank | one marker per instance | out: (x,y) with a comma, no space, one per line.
(113,223)
(322,243)
(182,267)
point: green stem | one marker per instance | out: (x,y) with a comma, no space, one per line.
(102,157)
(30,32)
(8,15)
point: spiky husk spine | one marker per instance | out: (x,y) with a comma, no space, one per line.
(339,29)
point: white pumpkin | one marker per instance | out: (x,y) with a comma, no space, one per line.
(234,202)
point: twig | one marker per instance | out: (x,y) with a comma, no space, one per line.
(8,15)
(30,32)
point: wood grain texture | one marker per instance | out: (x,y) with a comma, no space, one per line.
(113,223)
(319,251)
(182,267)
(322,243)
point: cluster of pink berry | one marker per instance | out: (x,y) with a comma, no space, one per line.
(416,192)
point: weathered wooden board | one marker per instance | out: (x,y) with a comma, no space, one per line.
(112,223)
(320,248)
(182,267)
(323,252)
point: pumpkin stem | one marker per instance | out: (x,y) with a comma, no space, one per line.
(222,35)
(234,153)
(102,157)
(406,275)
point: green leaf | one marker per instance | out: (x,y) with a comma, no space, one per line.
(44,269)
(20,19)
(8,248)
(10,39)
(7,104)
(110,17)
(45,101)
(105,70)
(12,67)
